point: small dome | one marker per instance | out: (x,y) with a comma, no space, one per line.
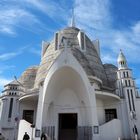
(121,57)
(111,74)
(28,77)
(122,63)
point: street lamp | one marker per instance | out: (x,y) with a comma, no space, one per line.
(133,118)
(32,126)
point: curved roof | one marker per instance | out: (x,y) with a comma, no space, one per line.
(89,59)
(27,78)
(121,57)
(110,70)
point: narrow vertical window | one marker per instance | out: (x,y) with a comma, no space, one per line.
(28,115)
(126,83)
(82,41)
(10,108)
(124,74)
(132,100)
(110,114)
(129,82)
(127,74)
(129,100)
(56,41)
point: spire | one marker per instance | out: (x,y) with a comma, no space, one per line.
(72,19)
(122,63)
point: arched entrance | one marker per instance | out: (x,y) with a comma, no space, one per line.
(67,105)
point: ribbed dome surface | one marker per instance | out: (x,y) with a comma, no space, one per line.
(89,59)
(27,79)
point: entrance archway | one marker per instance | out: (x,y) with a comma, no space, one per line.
(66,93)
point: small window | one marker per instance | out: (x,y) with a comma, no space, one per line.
(127,74)
(10,108)
(28,115)
(82,40)
(124,74)
(129,101)
(56,41)
(110,114)
(126,83)
(129,82)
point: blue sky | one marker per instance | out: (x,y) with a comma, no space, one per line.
(25,23)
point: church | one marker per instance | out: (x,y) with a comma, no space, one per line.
(71,94)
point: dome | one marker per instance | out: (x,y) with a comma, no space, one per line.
(122,63)
(121,57)
(28,77)
(111,72)
(89,59)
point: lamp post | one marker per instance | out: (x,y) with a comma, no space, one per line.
(133,118)
(32,126)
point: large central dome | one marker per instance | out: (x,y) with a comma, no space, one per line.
(82,49)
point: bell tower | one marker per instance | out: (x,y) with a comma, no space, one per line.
(126,89)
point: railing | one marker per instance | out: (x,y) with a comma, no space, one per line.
(83,132)
(50,131)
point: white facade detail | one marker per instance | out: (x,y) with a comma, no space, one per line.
(81,39)
(71,95)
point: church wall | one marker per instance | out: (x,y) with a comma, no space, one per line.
(28,105)
(1,107)
(137,122)
(123,116)
(8,122)
(8,125)
(66,73)
(100,111)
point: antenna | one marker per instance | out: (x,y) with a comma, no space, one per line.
(18,81)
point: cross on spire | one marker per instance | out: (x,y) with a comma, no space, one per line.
(73,19)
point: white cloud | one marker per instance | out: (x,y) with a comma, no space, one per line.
(10,55)
(6,67)
(35,51)
(94,16)
(7,56)
(108,58)
(12,18)
(93,13)
(4,81)
(52,9)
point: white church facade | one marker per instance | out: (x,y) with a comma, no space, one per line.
(71,94)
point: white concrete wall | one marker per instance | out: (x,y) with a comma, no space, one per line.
(9,122)
(123,116)
(67,73)
(24,126)
(111,130)
(9,134)
(9,125)
(28,105)
(137,122)
(1,105)
(100,111)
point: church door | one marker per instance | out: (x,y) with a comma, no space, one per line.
(67,126)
